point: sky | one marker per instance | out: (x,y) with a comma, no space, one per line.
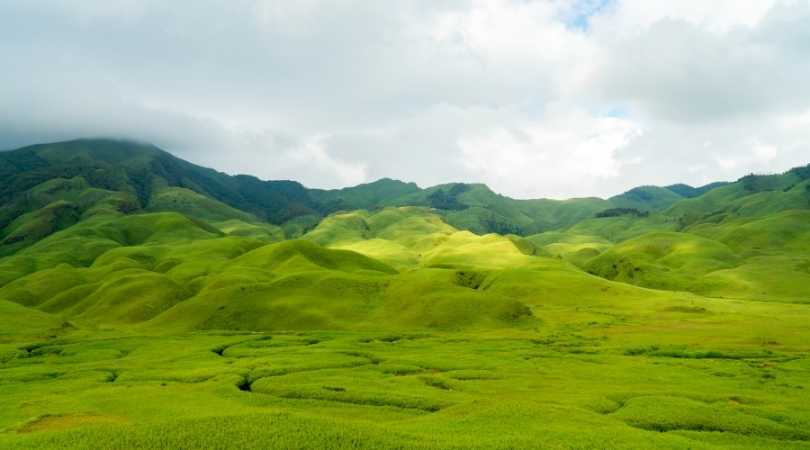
(535,98)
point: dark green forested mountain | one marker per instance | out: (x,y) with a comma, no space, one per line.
(142,172)
(56,184)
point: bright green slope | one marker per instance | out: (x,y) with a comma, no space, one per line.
(759,258)
(663,260)
(170,332)
(170,272)
(412,237)
(751,196)
(149,303)
(647,198)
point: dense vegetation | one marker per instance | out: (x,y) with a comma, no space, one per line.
(149,178)
(146,302)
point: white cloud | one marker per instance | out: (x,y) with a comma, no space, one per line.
(718,16)
(571,151)
(758,155)
(520,94)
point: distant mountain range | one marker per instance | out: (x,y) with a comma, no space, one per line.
(114,232)
(94,174)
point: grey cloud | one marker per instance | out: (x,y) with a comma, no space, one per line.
(679,71)
(337,92)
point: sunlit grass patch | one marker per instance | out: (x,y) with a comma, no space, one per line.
(671,413)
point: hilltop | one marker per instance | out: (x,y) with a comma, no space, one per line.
(104,196)
(102,175)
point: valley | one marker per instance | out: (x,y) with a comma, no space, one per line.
(147,303)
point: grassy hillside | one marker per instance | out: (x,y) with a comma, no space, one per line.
(647,198)
(365,196)
(144,171)
(149,303)
(746,239)
(763,258)
(686,191)
(168,271)
(143,177)
(476,208)
(656,198)
(412,237)
(753,195)
(176,333)
(663,260)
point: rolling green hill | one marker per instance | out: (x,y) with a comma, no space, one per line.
(122,176)
(663,260)
(752,195)
(144,172)
(146,302)
(759,226)
(656,198)
(94,210)
(647,198)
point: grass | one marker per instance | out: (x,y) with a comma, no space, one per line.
(182,335)
(435,390)
(485,349)
(664,260)
(646,198)
(146,303)
(758,258)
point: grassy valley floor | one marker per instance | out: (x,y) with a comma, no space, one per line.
(693,373)
(147,303)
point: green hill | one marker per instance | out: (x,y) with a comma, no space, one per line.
(752,195)
(92,209)
(365,196)
(144,171)
(121,176)
(647,198)
(146,302)
(656,198)
(662,260)
(471,207)
(686,191)
(762,258)
(168,271)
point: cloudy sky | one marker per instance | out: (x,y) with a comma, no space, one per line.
(536,98)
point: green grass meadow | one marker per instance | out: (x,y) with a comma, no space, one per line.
(146,303)
(716,379)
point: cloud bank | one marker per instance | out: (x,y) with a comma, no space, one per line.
(537,98)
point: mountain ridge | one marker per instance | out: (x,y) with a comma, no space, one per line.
(141,169)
